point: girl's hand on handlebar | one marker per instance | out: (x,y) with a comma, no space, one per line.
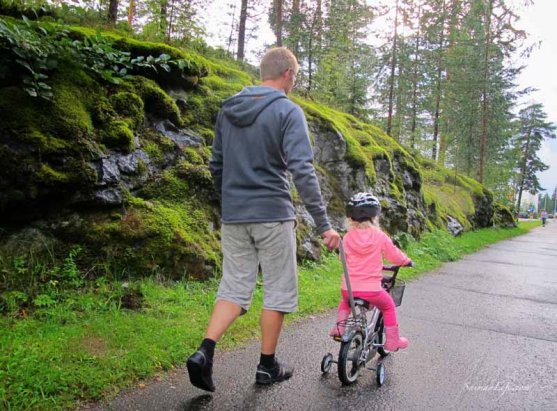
(410,264)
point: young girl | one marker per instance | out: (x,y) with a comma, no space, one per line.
(364,247)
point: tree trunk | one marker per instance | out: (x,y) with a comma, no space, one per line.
(443,136)
(170,21)
(315,28)
(113,11)
(278,22)
(469,151)
(392,78)
(242,30)
(437,113)
(131,12)
(231,36)
(485,90)
(295,28)
(523,170)
(163,18)
(415,86)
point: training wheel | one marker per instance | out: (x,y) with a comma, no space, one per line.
(380,374)
(326,363)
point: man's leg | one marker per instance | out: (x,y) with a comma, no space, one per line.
(224,314)
(276,247)
(271,326)
(233,297)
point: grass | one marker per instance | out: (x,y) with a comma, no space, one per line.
(87,347)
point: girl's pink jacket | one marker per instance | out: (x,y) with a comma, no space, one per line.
(364,250)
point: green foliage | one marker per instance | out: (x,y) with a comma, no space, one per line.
(39,48)
(36,283)
(32,52)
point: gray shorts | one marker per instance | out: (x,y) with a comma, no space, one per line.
(273,246)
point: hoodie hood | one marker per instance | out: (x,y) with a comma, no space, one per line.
(243,108)
(364,241)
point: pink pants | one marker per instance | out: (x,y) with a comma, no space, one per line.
(381,299)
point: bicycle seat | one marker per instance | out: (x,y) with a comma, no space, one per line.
(361,303)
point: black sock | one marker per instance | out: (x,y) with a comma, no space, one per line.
(209,346)
(267,360)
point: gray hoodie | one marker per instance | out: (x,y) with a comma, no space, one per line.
(260,135)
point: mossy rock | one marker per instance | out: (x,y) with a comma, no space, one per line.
(157,102)
(174,239)
(129,106)
(117,134)
(503,216)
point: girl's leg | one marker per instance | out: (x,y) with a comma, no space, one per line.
(384,301)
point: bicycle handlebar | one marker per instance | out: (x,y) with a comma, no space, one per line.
(390,280)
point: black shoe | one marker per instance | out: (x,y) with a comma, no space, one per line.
(280,372)
(200,369)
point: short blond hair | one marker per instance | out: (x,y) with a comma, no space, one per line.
(275,62)
(353,224)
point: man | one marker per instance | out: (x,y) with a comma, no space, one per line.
(260,135)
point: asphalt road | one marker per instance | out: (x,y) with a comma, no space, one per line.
(483,334)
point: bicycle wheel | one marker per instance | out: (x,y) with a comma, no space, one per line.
(381,338)
(348,359)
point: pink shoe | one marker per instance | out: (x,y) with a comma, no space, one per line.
(394,340)
(336,331)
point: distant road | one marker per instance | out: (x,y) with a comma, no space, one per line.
(483,335)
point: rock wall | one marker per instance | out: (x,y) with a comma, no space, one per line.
(122,171)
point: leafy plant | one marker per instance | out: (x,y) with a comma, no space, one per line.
(33,51)
(38,48)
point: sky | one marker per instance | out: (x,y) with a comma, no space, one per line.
(538,20)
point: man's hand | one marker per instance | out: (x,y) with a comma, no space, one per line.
(331,239)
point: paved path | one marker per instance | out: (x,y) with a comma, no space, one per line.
(483,335)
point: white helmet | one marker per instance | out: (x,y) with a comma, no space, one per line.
(363,206)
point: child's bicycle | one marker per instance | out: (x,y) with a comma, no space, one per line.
(363,334)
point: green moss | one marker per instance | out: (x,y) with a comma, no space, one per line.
(74,95)
(129,106)
(156,101)
(503,216)
(171,237)
(50,176)
(102,112)
(193,156)
(169,186)
(153,150)
(117,134)
(195,173)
